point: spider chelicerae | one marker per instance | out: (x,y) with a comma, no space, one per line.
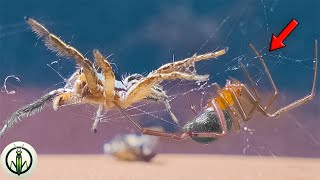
(96,84)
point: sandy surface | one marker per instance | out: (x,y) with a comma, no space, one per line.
(170,166)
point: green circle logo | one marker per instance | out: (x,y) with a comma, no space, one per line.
(19,159)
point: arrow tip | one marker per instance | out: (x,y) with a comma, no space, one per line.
(275,43)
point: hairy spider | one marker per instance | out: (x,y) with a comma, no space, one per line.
(224,109)
(89,85)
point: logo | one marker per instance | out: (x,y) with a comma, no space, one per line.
(19,159)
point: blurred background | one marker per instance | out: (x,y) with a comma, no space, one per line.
(143,35)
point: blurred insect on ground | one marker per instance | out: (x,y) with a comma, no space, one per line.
(132,147)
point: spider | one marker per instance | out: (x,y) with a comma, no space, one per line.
(88,85)
(225,109)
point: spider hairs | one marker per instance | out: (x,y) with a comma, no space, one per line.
(88,86)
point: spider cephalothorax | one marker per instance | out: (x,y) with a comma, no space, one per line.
(98,86)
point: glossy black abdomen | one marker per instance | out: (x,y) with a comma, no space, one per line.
(207,121)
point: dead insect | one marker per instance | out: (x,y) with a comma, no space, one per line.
(132,147)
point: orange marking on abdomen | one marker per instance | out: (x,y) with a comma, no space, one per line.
(227,96)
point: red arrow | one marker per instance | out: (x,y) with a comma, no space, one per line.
(277,42)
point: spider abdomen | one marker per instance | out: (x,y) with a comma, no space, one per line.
(207,121)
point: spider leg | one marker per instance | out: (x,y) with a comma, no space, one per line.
(97,118)
(168,109)
(275,91)
(246,93)
(307,98)
(245,116)
(300,101)
(29,110)
(229,108)
(109,78)
(183,64)
(72,80)
(225,101)
(250,79)
(192,106)
(57,45)
(158,94)
(253,100)
(152,132)
(143,88)
(66,98)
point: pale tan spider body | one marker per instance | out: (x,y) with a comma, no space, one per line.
(96,84)
(123,97)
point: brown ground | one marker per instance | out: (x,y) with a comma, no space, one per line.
(193,167)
